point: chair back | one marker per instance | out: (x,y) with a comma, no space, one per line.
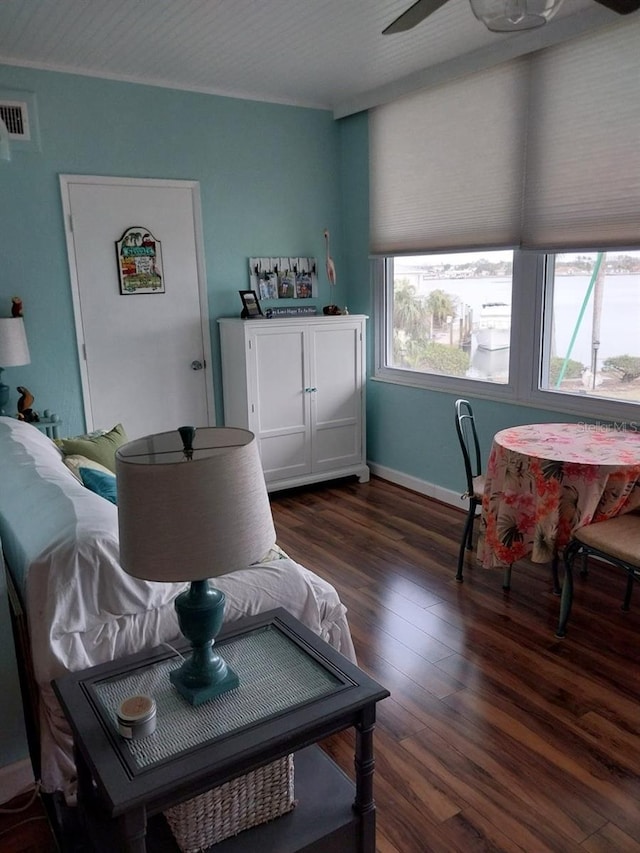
(468,437)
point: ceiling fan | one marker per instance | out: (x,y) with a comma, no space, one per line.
(500,15)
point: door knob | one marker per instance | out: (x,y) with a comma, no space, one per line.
(196,365)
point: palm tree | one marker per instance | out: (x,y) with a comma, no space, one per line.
(410,314)
(441,305)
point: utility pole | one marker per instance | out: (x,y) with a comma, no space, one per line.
(598,294)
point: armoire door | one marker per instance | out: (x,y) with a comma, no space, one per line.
(335,355)
(279,385)
(144,356)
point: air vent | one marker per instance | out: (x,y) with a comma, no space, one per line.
(16,117)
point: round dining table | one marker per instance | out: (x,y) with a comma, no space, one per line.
(544,481)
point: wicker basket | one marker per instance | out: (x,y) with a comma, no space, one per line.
(247,801)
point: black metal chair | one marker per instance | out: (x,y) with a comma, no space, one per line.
(616,541)
(468,437)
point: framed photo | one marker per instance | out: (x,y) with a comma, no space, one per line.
(250,305)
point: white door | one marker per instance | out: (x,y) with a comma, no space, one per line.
(144,356)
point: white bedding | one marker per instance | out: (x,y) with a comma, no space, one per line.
(83,609)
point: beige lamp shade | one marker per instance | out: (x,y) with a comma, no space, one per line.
(186,519)
(14,350)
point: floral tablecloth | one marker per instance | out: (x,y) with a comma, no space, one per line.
(543,481)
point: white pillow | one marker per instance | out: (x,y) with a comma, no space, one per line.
(75,461)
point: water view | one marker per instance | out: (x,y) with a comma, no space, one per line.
(592,346)
(620,318)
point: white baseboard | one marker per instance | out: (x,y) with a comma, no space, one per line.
(439,493)
(14,779)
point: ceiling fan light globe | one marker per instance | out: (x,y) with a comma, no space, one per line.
(507,16)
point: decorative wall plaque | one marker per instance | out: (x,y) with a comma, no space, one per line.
(139,262)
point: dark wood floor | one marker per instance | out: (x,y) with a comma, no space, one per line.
(497,736)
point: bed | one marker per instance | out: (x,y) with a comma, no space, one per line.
(73,606)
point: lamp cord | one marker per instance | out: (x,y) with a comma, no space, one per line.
(31,801)
(174,650)
(28,804)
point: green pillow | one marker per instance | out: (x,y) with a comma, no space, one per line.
(101,483)
(99,448)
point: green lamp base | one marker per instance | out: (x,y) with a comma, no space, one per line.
(204,675)
(197,695)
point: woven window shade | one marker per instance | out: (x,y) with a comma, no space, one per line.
(582,186)
(446,164)
(542,151)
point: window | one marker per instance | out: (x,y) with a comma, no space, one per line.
(590,334)
(558,331)
(450,315)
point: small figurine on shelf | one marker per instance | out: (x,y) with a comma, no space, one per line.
(331,276)
(16,306)
(25,403)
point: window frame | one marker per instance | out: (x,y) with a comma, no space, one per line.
(531,320)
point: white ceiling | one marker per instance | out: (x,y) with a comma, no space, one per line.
(318,53)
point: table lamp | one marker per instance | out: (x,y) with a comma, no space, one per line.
(14,351)
(193,505)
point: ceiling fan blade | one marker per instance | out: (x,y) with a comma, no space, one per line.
(419,11)
(622,7)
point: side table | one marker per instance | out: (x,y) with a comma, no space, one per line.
(294,691)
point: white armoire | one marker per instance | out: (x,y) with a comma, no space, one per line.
(298,383)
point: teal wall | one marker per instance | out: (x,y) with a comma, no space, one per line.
(269,183)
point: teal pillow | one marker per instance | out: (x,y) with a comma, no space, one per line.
(100,482)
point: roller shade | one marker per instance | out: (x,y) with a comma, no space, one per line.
(541,152)
(582,186)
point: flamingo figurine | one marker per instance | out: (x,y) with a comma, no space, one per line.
(331,267)
(331,275)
